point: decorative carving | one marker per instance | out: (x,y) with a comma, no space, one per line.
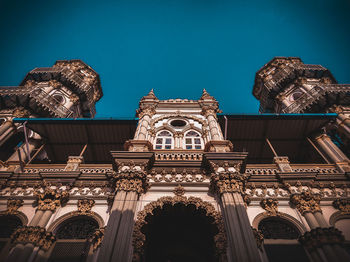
(270,205)
(130,180)
(85,205)
(73,163)
(55,84)
(97,238)
(179,190)
(259,237)
(13,205)
(321,236)
(226,178)
(34,235)
(29,83)
(278,228)
(343,205)
(50,199)
(306,202)
(20,112)
(74,99)
(139,238)
(78,227)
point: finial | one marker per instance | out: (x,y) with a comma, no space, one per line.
(205,94)
(150,95)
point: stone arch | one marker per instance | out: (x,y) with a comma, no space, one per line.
(139,239)
(166,128)
(338,216)
(62,219)
(19,214)
(300,227)
(10,222)
(154,121)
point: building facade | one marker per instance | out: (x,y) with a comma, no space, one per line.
(182,182)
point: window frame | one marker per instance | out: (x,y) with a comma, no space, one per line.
(192,139)
(164,143)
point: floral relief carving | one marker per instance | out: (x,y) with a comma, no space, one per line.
(317,237)
(139,238)
(306,202)
(130,180)
(179,190)
(270,205)
(34,235)
(50,198)
(259,237)
(13,205)
(97,237)
(85,205)
(343,205)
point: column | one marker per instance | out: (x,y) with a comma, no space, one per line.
(322,241)
(212,122)
(28,237)
(242,243)
(332,151)
(145,118)
(7,129)
(130,180)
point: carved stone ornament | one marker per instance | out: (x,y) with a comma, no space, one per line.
(34,235)
(74,98)
(13,205)
(55,84)
(270,205)
(226,179)
(131,180)
(139,238)
(321,236)
(50,199)
(20,112)
(179,190)
(259,237)
(306,202)
(30,83)
(343,205)
(97,237)
(85,205)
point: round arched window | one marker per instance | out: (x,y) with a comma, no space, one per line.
(164,140)
(276,228)
(193,140)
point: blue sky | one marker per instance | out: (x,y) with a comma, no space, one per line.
(176,47)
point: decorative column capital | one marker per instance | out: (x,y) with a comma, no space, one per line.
(343,205)
(50,198)
(270,205)
(34,235)
(306,202)
(131,181)
(321,236)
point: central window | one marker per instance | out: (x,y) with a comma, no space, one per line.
(193,140)
(164,140)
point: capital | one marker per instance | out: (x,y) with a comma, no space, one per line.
(343,205)
(270,205)
(306,202)
(34,235)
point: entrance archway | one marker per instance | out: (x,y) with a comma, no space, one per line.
(174,229)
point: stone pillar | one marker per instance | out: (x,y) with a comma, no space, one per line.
(333,152)
(7,129)
(130,181)
(322,241)
(228,183)
(35,235)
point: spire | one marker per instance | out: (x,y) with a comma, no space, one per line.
(205,95)
(150,96)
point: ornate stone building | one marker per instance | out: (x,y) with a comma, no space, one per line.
(183,182)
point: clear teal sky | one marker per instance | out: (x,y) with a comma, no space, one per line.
(177,47)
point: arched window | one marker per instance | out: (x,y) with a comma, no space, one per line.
(193,140)
(164,140)
(72,239)
(281,237)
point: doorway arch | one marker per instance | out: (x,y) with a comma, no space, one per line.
(179,229)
